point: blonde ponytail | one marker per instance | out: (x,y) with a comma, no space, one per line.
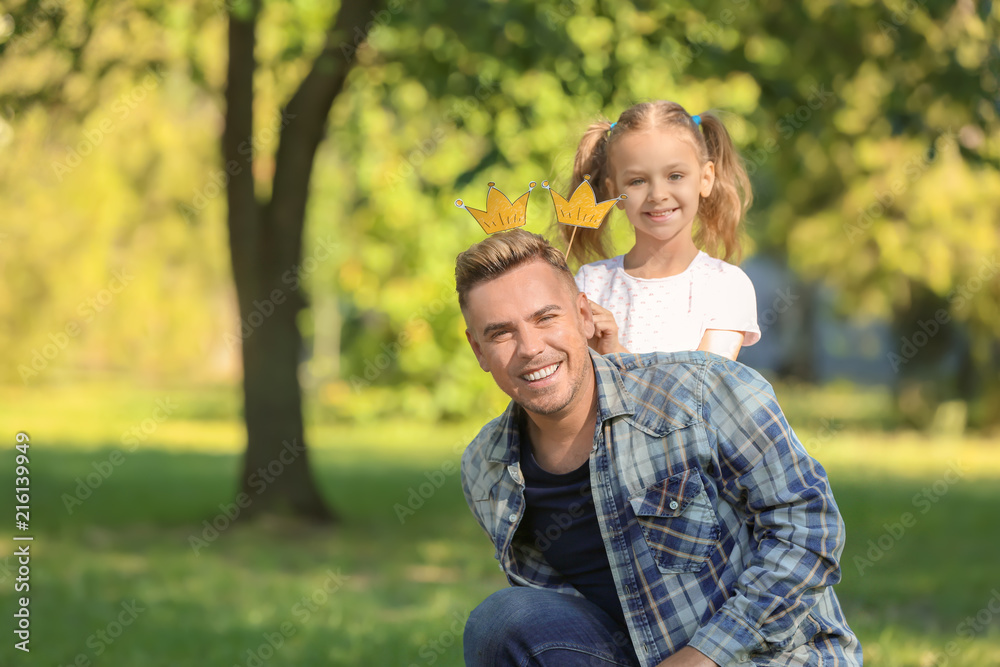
(591,159)
(722,212)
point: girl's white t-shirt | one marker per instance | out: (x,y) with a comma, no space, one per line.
(671,314)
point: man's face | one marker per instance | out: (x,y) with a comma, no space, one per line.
(530,331)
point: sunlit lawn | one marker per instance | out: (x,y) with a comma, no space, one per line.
(373,590)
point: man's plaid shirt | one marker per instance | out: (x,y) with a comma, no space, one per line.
(721,530)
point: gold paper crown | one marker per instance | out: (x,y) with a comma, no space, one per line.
(582,209)
(500,213)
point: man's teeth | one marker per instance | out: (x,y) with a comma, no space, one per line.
(541,373)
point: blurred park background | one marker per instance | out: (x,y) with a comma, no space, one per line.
(190,313)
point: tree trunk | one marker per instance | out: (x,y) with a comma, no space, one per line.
(276,471)
(266,249)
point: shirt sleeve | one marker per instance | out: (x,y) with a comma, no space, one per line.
(733,304)
(468,474)
(763,470)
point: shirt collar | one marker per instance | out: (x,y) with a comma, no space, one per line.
(612,401)
(612,398)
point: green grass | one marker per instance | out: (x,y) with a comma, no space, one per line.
(374,591)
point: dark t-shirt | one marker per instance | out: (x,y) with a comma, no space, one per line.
(560,519)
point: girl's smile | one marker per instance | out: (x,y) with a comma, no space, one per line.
(661,215)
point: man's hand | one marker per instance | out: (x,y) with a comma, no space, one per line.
(688,657)
(605,340)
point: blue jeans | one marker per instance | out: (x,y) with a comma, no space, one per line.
(522,627)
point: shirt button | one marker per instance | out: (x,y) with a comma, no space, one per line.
(515,474)
(674,505)
(513,518)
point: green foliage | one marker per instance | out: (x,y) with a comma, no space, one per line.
(870,129)
(871,134)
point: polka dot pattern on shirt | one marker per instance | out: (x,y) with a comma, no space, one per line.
(672,314)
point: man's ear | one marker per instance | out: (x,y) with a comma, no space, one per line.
(476,350)
(586,315)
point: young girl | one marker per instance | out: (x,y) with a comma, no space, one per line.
(665,294)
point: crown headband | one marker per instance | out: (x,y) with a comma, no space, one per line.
(582,209)
(501,213)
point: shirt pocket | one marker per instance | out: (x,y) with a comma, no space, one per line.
(678,522)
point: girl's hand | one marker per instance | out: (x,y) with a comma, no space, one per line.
(605,340)
(724,343)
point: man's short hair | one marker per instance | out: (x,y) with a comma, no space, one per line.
(499,253)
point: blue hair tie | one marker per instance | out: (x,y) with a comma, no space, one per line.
(612,126)
(696,119)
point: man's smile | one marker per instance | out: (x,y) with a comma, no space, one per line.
(541,373)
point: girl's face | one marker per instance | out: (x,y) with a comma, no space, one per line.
(660,172)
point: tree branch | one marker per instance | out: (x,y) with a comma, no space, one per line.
(305,124)
(243,218)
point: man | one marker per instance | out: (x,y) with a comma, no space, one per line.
(648,510)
